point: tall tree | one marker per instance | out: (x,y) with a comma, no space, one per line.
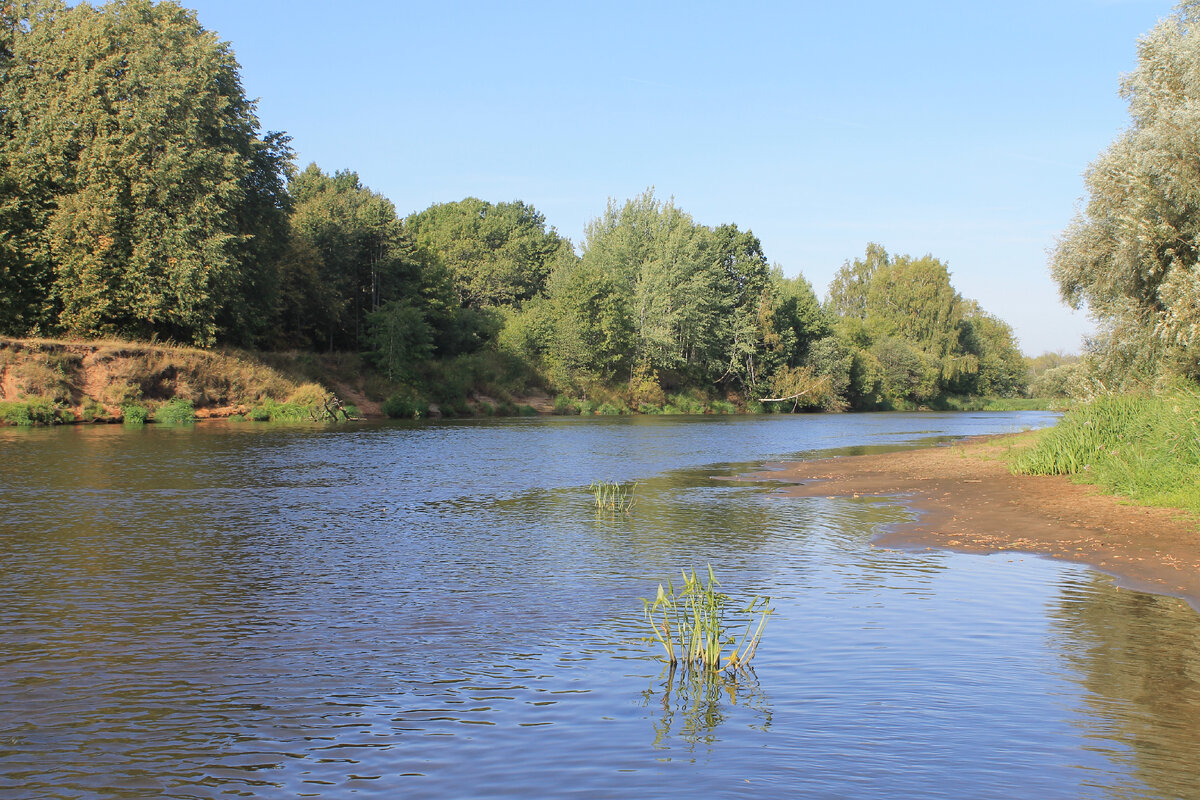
(350,257)
(1132,255)
(495,254)
(133,163)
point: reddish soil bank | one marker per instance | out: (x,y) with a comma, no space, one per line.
(967,500)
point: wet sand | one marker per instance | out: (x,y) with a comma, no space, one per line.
(967,500)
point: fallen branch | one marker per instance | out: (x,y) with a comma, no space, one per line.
(796,396)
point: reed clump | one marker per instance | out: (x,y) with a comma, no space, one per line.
(692,627)
(1144,447)
(613,497)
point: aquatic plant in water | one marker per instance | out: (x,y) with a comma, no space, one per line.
(613,497)
(690,624)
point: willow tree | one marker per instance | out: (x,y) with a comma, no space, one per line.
(146,201)
(1132,255)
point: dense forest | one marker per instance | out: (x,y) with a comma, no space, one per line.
(140,199)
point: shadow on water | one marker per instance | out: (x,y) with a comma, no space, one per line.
(1137,656)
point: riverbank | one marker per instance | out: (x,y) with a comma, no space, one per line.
(967,500)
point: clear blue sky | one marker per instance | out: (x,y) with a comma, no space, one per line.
(960,129)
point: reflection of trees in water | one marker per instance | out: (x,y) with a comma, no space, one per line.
(1138,655)
(696,702)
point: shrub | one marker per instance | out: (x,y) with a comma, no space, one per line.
(134,414)
(405,406)
(722,407)
(93,410)
(308,395)
(526,411)
(15,412)
(649,408)
(683,404)
(271,411)
(176,412)
(563,406)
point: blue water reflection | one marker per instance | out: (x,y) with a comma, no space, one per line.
(435,610)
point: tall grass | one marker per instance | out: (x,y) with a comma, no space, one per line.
(1145,448)
(613,497)
(690,624)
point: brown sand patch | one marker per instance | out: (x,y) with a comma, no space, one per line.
(969,501)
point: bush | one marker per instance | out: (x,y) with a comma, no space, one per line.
(93,410)
(271,411)
(563,406)
(134,414)
(176,412)
(722,407)
(649,408)
(35,411)
(526,411)
(683,404)
(405,406)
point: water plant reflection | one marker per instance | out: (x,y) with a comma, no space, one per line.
(695,703)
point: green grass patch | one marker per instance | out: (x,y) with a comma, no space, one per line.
(34,411)
(273,411)
(1141,447)
(175,412)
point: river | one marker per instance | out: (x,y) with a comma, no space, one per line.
(435,610)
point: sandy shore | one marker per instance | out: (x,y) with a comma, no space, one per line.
(967,500)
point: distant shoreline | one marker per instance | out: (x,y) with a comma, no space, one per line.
(968,501)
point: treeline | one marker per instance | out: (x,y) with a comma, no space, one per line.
(138,198)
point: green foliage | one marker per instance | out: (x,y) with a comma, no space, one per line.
(1140,446)
(494,254)
(175,412)
(273,411)
(145,202)
(348,259)
(33,411)
(134,414)
(564,406)
(405,406)
(914,338)
(1131,256)
(692,628)
(683,404)
(92,411)
(401,337)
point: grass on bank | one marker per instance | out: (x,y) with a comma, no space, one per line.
(1146,448)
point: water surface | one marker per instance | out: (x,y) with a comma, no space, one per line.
(434,610)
